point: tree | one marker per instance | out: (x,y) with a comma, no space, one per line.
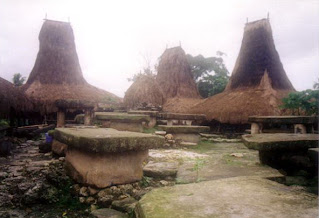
(316,85)
(210,74)
(304,102)
(18,79)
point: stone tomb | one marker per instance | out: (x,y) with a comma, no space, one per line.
(152,114)
(185,133)
(275,148)
(302,124)
(182,119)
(103,157)
(122,121)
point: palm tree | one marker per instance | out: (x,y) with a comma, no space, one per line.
(18,79)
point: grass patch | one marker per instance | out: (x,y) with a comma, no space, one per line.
(150,130)
(203,146)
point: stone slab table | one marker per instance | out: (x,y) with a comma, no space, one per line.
(184,119)
(185,133)
(122,121)
(152,114)
(103,157)
(300,122)
(273,147)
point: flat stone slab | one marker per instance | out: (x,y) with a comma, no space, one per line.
(280,141)
(178,116)
(106,140)
(108,213)
(149,113)
(233,197)
(184,129)
(122,117)
(283,119)
(160,169)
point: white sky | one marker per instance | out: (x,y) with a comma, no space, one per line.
(113,36)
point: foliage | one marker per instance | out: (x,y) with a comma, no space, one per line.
(210,74)
(316,85)
(147,71)
(18,79)
(145,181)
(304,102)
(4,122)
(199,164)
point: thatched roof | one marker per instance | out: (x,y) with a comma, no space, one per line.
(180,105)
(174,75)
(12,99)
(257,84)
(57,73)
(144,90)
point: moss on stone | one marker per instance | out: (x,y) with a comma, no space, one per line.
(106,140)
(280,141)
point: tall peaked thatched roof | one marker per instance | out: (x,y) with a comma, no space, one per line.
(144,90)
(12,99)
(174,75)
(257,55)
(257,84)
(57,73)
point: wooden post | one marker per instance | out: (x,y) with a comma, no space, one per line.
(88,117)
(60,118)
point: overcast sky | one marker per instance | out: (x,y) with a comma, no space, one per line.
(114,37)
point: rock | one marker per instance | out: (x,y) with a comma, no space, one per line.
(138,194)
(45,147)
(84,191)
(5,147)
(92,191)
(313,155)
(59,148)
(232,197)
(126,205)
(169,136)
(237,155)
(296,180)
(160,169)
(105,200)
(187,144)
(3,175)
(76,188)
(90,200)
(161,133)
(164,183)
(61,158)
(82,200)
(108,213)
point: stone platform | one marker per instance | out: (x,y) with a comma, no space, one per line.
(182,119)
(185,133)
(103,157)
(281,141)
(233,197)
(151,114)
(122,121)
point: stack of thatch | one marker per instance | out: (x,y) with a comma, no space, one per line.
(174,86)
(144,91)
(57,73)
(258,82)
(12,100)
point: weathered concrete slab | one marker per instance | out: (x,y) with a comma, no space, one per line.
(281,141)
(103,140)
(283,119)
(184,129)
(160,170)
(234,197)
(178,116)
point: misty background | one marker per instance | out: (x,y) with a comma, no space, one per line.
(114,40)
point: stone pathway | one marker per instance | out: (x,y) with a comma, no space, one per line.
(224,180)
